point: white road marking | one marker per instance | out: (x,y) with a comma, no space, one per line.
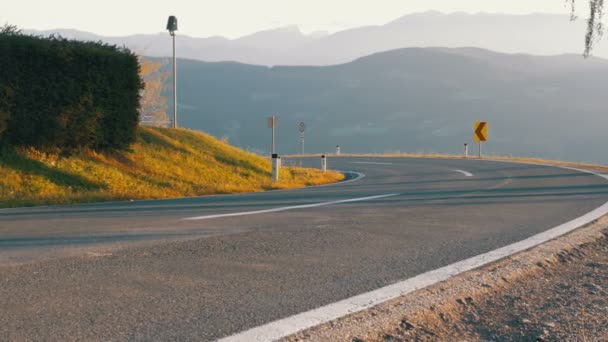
(291,325)
(372,163)
(359,176)
(468,174)
(274,210)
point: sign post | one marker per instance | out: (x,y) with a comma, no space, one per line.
(480,134)
(273,121)
(172,27)
(302,128)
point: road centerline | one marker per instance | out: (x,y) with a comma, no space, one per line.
(466,173)
(372,163)
(293,207)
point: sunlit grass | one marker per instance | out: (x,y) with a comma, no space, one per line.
(163,163)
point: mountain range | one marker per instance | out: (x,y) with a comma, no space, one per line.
(407,100)
(538,34)
(388,89)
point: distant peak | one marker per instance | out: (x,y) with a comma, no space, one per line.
(286,29)
(434,14)
(283,30)
(318,34)
(291,28)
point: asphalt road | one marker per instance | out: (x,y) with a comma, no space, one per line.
(146,270)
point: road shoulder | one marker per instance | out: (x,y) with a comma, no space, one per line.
(553,291)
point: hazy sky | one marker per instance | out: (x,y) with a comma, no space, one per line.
(233,18)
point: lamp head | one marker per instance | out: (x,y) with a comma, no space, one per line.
(172,24)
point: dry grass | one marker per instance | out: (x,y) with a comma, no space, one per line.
(163,163)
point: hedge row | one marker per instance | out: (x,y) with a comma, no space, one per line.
(59,93)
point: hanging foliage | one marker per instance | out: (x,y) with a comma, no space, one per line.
(595,26)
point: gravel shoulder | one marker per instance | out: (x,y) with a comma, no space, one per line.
(554,292)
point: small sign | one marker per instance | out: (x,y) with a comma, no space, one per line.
(480,131)
(301,127)
(273,121)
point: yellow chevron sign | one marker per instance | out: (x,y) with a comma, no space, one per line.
(480,131)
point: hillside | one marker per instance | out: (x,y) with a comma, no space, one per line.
(539,34)
(408,100)
(163,163)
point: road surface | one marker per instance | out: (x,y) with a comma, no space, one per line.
(209,267)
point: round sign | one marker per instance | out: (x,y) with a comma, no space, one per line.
(302,127)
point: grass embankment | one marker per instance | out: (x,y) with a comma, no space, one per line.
(163,163)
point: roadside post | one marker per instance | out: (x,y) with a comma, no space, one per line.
(273,121)
(466,150)
(301,129)
(276,167)
(480,134)
(172,27)
(337,150)
(323,163)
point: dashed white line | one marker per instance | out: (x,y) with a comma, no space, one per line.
(372,163)
(274,210)
(467,174)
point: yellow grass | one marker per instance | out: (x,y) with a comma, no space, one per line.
(163,163)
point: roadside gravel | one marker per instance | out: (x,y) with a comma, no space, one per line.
(567,301)
(554,292)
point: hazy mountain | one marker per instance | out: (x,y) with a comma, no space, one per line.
(539,34)
(408,100)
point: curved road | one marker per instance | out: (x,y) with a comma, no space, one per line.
(209,267)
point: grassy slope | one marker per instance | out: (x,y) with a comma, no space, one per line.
(163,163)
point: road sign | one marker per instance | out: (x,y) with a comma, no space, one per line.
(480,131)
(273,121)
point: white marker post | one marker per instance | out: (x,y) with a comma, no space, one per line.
(276,167)
(273,121)
(323,163)
(466,150)
(301,129)
(337,150)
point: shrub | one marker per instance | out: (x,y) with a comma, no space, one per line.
(66,94)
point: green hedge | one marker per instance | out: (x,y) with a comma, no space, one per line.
(59,93)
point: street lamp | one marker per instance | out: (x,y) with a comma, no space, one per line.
(172,27)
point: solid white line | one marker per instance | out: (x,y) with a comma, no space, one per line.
(291,325)
(373,163)
(274,210)
(358,177)
(468,174)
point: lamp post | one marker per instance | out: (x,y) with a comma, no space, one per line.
(172,27)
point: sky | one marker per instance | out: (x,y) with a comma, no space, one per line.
(235,18)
